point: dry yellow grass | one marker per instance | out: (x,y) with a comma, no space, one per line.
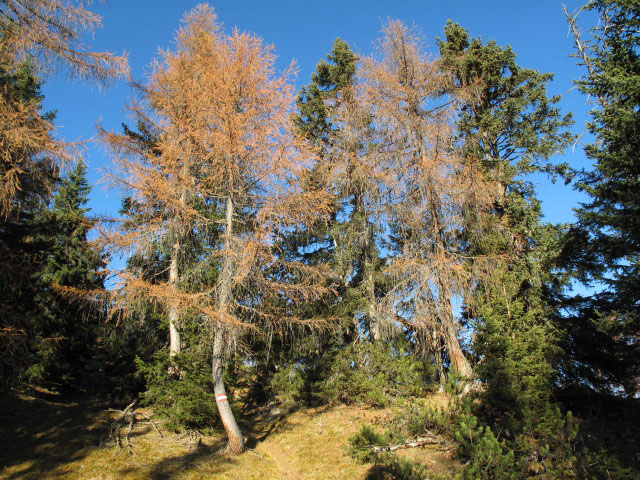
(45,440)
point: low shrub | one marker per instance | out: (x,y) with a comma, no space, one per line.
(181,390)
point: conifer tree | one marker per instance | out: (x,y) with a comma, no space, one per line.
(424,185)
(224,175)
(512,128)
(604,246)
(331,117)
(44,250)
(22,250)
(71,263)
(46,34)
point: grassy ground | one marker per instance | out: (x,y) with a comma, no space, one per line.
(46,439)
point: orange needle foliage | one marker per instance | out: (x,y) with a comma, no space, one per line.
(223,177)
(46,34)
(428,187)
(221,117)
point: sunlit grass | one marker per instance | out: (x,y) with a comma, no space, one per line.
(45,440)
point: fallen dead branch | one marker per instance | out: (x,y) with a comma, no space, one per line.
(128,417)
(428,439)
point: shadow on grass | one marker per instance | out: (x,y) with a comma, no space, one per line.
(208,459)
(41,436)
(379,472)
(260,425)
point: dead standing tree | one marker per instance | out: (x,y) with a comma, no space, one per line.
(414,117)
(223,144)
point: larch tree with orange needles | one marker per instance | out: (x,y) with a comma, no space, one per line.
(42,35)
(428,186)
(333,118)
(223,173)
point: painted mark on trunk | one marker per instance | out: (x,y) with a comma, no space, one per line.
(221,397)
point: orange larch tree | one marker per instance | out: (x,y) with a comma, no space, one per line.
(224,174)
(43,35)
(427,188)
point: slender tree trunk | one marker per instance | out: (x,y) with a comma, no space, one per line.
(448,325)
(236,442)
(175,342)
(375,326)
(459,362)
(174,335)
(437,347)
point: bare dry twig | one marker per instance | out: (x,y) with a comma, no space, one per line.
(129,416)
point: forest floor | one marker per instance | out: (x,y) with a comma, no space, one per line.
(44,439)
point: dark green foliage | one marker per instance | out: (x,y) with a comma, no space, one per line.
(390,466)
(517,339)
(23,243)
(181,390)
(545,447)
(66,324)
(604,247)
(348,241)
(362,442)
(514,126)
(288,384)
(364,373)
(601,465)
(488,458)
(113,362)
(413,418)
(609,438)
(373,374)
(47,334)
(328,82)
(512,129)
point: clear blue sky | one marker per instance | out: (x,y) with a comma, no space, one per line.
(303,30)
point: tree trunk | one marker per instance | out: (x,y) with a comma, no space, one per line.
(236,442)
(437,347)
(459,362)
(448,325)
(175,342)
(375,326)
(174,335)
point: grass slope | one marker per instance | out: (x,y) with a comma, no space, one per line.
(45,440)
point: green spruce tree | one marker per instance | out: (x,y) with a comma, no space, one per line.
(23,238)
(604,246)
(512,128)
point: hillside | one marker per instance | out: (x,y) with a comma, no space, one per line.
(46,439)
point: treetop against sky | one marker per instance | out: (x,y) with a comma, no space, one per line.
(303,31)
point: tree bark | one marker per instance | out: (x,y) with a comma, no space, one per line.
(175,342)
(448,324)
(375,327)
(236,442)
(459,362)
(174,335)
